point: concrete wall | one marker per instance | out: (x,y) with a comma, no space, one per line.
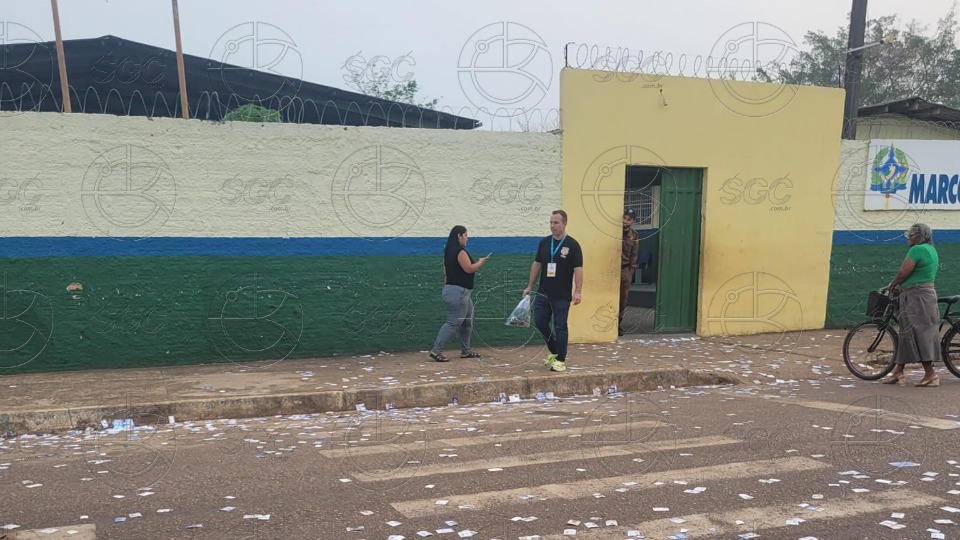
(132,242)
(736,133)
(899,127)
(868,247)
(278,180)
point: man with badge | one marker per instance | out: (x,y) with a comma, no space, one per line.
(559,265)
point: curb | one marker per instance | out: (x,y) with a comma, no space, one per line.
(404,397)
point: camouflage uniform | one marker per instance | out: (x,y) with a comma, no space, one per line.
(628,265)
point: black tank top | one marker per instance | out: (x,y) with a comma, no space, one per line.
(455,273)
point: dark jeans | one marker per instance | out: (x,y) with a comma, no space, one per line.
(543,310)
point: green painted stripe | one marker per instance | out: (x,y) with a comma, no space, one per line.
(848,237)
(17,247)
(855,270)
(161,311)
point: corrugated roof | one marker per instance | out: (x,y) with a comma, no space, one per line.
(914,107)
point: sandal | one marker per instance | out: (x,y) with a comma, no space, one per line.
(895,379)
(471,354)
(439,357)
(932,381)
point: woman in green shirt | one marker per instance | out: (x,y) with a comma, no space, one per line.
(919,315)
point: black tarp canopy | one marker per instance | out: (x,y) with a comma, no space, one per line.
(112,75)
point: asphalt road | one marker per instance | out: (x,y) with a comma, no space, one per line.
(798,459)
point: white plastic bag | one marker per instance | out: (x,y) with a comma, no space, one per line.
(521,313)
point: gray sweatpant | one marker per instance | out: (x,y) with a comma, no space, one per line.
(459,316)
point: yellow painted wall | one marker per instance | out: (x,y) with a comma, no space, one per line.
(732,130)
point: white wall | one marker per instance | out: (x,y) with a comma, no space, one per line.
(66,175)
(849,190)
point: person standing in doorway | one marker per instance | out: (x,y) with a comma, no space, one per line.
(559,265)
(459,269)
(628,261)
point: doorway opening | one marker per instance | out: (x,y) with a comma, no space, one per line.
(665,288)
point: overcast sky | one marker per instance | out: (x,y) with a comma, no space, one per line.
(441,37)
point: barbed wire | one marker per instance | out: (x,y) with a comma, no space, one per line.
(628,64)
(212,106)
(625,63)
(894,126)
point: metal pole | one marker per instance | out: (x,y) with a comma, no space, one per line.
(64,87)
(184,105)
(851,79)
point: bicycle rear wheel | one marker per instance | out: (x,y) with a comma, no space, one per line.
(870,350)
(950,350)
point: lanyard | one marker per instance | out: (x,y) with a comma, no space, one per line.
(553,250)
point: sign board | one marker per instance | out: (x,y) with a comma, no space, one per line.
(912,174)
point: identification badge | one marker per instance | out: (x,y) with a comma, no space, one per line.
(551,269)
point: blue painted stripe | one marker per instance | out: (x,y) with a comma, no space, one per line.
(891,237)
(37,247)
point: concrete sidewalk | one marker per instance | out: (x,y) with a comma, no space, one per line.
(49,402)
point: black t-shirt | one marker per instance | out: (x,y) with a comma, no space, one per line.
(455,273)
(568,256)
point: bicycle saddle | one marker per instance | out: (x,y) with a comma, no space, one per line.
(949,300)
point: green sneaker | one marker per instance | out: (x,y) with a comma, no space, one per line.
(558,366)
(551,358)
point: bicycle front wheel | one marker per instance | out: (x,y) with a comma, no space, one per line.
(870,350)
(950,350)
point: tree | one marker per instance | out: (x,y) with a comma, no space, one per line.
(915,64)
(252,113)
(378,85)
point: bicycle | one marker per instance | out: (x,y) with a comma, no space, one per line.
(870,348)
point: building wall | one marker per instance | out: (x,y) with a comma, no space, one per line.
(899,127)
(136,242)
(776,249)
(868,247)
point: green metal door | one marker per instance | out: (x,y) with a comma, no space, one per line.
(679,266)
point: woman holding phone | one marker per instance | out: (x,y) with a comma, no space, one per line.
(458,272)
